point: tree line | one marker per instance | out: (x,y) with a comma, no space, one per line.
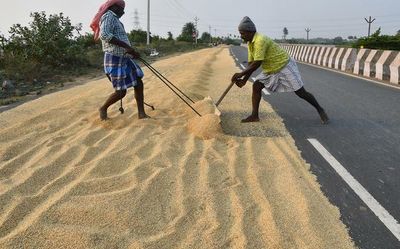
(50,45)
(375,41)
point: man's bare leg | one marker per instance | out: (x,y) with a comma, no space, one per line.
(139,96)
(302,93)
(114,97)
(255,100)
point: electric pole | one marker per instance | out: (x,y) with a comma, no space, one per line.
(148,22)
(136,23)
(196,19)
(308,31)
(369,24)
(209,31)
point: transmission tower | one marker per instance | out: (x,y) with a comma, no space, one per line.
(136,23)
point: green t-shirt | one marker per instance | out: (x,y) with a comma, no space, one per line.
(273,57)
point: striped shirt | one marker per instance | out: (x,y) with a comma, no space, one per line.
(111,26)
(273,57)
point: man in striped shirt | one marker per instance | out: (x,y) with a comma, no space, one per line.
(119,67)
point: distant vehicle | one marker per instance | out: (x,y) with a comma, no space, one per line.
(154,52)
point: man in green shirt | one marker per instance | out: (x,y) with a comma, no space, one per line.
(279,71)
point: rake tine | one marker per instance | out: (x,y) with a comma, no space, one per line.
(155,71)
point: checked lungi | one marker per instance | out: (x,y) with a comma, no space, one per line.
(288,79)
(123,72)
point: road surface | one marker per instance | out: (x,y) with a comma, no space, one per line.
(356,158)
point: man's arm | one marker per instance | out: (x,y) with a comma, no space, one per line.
(237,77)
(128,48)
(106,26)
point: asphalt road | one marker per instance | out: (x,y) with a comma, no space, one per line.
(363,136)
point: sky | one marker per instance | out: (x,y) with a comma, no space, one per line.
(327,19)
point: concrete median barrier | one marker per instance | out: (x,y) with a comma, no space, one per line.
(382,65)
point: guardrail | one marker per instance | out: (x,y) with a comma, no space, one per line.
(383,65)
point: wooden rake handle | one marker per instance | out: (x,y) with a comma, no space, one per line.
(223,95)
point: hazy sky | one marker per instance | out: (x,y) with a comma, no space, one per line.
(325,18)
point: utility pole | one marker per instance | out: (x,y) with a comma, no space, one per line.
(369,24)
(308,31)
(196,19)
(209,31)
(136,23)
(148,22)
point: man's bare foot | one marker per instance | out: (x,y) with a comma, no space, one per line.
(143,116)
(103,114)
(251,118)
(324,117)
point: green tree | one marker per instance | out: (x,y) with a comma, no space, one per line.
(47,40)
(398,32)
(187,32)
(378,41)
(338,40)
(285,33)
(46,44)
(377,33)
(138,36)
(205,37)
(3,41)
(155,38)
(170,36)
(87,40)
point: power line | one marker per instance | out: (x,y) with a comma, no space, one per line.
(178,10)
(223,22)
(178,16)
(183,8)
(277,27)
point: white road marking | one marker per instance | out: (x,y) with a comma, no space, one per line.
(234,56)
(3,107)
(265,91)
(387,219)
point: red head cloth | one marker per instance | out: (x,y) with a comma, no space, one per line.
(95,25)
